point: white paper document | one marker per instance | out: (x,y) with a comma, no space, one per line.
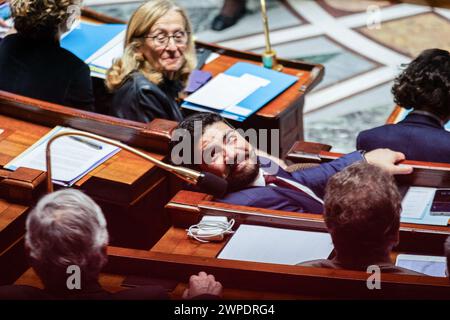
(213,56)
(430,265)
(416,202)
(104,57)
(274,245)
(71,157)
(225,91)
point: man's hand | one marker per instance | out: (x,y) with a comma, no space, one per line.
(386,159)
(202,284)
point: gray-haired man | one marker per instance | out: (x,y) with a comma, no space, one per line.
(66,236)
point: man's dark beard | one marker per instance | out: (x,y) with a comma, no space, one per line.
(238,181)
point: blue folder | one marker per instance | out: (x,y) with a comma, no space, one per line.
(86,39)
(278,83)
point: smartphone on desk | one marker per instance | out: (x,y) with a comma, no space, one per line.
(441,203)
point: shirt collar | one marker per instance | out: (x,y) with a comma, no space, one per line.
(428,114)
(259,181)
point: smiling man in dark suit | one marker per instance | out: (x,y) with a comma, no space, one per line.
(256,180)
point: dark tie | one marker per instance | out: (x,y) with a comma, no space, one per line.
(280,183)
(283,184)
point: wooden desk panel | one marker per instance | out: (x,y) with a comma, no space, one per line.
(131,191)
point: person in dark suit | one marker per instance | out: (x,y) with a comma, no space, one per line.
(362,214)
(205,142)
(158,59)
(65,240)
(33,64)
(423,87)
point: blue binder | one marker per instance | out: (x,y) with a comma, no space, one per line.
(85,40)
(278,83)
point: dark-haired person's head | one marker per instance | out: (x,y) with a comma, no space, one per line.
(206,142)
(362,213)
(42,19)
(447,254)
(425,84)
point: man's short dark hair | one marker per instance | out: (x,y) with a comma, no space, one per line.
(205,119)
(362,211)
(447,254)
(425,84)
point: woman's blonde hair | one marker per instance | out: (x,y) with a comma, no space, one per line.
(42,18)
(133,59)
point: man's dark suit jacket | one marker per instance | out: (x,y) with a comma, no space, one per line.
(418,136)
(279,198)
(41,69)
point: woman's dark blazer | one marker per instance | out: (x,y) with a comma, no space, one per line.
(41,69)
(140,100)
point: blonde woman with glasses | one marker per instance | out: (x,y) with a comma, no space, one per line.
(158,58)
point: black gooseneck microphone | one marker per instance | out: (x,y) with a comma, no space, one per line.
(206,182)
(211,184)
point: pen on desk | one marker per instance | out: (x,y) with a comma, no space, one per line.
(87,142)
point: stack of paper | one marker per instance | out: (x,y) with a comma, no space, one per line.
(71,157)
(274,245)
(240,91)
(96,44)
(434,266)
(224,92)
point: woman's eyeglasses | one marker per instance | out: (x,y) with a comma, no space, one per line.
(180,38)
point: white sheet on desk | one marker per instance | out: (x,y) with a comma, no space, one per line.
(274,245)
(416,201)
(225,91)
(213,56)
(70,158)
(434,266)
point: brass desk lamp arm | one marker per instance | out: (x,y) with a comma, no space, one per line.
(190,176)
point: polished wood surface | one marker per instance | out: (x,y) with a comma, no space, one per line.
(152,136)
(271,278)
(394,116)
